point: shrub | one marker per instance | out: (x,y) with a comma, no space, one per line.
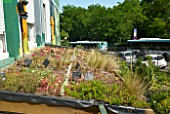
(158,86)
(161,102)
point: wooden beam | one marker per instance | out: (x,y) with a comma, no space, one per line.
(39,109)
(27,108)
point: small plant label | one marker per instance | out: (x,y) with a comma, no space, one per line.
(77,65)
(28,62)
(76,75)
(89,76)
(73,58)
(3,76)
(46,62)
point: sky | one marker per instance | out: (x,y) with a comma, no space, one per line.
(86,3)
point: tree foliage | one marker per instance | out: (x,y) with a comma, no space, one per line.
(116,24)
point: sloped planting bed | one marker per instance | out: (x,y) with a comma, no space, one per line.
(61,77)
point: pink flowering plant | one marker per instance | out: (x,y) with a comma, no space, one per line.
(50,86)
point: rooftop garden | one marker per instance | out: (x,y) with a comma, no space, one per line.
(75,73)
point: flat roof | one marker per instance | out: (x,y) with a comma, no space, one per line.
(149,41)
(87,42)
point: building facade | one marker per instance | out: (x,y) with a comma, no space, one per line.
(47,22)
(19,36)
(11,32)
(3,47)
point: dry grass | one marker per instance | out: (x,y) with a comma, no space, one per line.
(100,61)
(135,85)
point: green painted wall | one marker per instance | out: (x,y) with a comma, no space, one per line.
(11,27)
(6,62)
(38,40)
(43,38)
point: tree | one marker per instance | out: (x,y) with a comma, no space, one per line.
(128,16)
(158,21)
(116,24)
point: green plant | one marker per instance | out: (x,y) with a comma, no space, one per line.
(140,69)
(21,82)
(148,73)
(161,102)
(88,90)
(114,94)
(124,69)
(65,43)
(79,47)
(1,83)
(158,86)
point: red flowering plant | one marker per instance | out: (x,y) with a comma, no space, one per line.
(42,53)
(44,80)
(50,85)
(48,50)
(33,55)
(39,56)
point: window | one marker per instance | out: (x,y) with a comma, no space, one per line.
(158,58)
(2,43)
(31,33)
(128,54)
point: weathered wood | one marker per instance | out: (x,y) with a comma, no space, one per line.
(41,109)
(46,109)
(149,111)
